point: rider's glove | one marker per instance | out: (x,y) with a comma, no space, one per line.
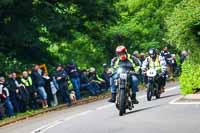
(162,74)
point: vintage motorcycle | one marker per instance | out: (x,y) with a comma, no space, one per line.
(124,93)
(153,89)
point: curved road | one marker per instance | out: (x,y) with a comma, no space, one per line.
(157,116)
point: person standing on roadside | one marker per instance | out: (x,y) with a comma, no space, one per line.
(183,56)
(74,75)
(28,83)
(19,94)
(39,82)
(5,96)
(61,79)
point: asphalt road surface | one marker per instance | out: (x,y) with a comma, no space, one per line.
(157,116)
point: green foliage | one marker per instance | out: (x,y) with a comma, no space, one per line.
(51,32)
(82,50)
(184,27)
(9,64)
(190,78)
(142,24)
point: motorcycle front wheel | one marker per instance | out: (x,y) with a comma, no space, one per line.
(122,102)
(149,91)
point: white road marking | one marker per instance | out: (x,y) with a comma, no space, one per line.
(174,100)
(105,106)
(85,113)
(58,122)
(183,103)
(51,126)
(172,88)
(48,126)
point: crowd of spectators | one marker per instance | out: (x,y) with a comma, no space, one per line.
(31,90)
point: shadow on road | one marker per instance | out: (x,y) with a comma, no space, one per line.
(173,95)
(139,110)
(156,106)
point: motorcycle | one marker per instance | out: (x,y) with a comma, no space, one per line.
(124,93)
(153,89)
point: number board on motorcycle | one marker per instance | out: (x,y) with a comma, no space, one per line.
(123,76)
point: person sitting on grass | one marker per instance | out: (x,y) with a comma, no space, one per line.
(106,75)
(92,87)
(94,78)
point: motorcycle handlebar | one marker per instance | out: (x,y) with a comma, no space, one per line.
(129,72)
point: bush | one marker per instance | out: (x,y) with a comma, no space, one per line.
(190,78)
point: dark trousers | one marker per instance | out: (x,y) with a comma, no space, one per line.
(93,88)
(15,102)
(64,93)
(76,85)
(9,106)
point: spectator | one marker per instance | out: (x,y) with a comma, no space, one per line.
(168,58)
(5,96)
(142,78)
(54,88)
(12,87)
(47,87)
(183,56)
(19,94)
(94,78)
(106,75)
(61,80)
(174,63)
(136,57)
(138,62)
(2,109)
(39,83)
(136,54)
(142,57)
(165,52)
(74,75)
(33,93)
(85,84)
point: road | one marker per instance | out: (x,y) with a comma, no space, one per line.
(157,116)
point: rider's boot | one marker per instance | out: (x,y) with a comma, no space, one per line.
(134,100)
(162,89)
(113,98)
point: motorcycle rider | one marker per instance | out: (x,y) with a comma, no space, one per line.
(157,62)
(123,58)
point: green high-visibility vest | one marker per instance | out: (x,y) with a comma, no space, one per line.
(27,82)
(136,68)
(155,64)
